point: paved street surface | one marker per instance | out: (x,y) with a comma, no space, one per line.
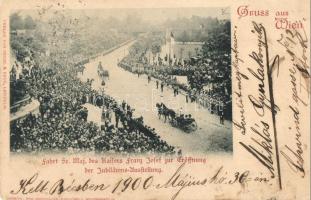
(210,136)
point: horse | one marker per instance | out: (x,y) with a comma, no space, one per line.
(165,111)
(170,113)
(160,110)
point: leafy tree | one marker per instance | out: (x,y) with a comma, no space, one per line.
(218,40)
(16,22)
(29,23)
(217,48)
(18,46)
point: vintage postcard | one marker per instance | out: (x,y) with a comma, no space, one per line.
(154,100)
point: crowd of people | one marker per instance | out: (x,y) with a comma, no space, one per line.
(61,122)
(206,86)
(135,135)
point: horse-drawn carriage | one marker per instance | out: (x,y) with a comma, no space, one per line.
(102,72)
(183,122)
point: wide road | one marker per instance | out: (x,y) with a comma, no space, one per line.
(210,136)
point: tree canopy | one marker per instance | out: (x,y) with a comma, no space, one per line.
(17,22)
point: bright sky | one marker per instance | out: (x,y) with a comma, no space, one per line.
(156,15)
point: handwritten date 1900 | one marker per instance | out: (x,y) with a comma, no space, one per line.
(179,181)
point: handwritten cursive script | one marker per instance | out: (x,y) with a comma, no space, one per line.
(261,143)
(179,180)
(241,125)
(296,44)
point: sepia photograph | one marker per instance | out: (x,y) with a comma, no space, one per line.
(121,81)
